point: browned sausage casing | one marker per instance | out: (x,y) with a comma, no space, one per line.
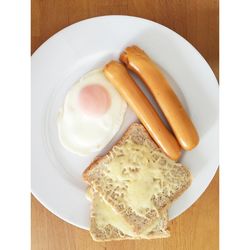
(126,86)
(139,62)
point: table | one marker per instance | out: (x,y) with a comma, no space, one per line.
(197,21)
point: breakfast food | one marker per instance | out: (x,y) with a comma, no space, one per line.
(91,115)
(124,83)
(106,224)
(138,181)
(135,183)
(140,63)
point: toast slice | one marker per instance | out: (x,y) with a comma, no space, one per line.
(137,179)
(107,224)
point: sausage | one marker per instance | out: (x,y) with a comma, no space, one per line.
(126,86)
(140,63)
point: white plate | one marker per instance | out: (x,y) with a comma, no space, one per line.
(79,48)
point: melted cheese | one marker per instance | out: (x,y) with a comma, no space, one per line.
(89,193)
(134,168)
(139,170)
(104,215)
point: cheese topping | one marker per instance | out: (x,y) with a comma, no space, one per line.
(141,171)
(89,193)
(104,215)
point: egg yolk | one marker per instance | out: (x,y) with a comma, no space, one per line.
(94,100)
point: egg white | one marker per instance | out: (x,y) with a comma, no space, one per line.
(83,134)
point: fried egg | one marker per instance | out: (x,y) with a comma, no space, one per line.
(91,115)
